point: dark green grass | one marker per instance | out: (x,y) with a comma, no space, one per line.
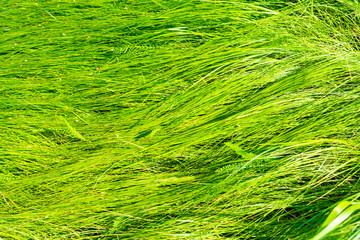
(177,119)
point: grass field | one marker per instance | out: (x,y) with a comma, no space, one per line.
(179,119)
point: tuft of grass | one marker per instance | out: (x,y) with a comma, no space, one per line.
(195,119)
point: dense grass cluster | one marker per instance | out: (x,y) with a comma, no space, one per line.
(178,119)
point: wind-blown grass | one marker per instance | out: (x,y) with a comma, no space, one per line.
(178,119)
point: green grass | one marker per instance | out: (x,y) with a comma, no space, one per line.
(179,119)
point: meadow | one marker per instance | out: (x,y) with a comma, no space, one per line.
(179,119)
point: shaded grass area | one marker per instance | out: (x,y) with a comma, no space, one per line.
(177,119)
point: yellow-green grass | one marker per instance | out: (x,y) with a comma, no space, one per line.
(179,119)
